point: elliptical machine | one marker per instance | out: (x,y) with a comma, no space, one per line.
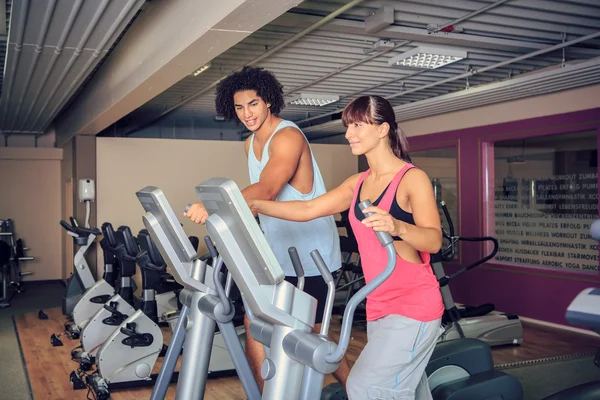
(281,315)
(494,329)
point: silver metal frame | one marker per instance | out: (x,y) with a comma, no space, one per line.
(203,306)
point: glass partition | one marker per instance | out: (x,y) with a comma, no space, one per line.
(542,196)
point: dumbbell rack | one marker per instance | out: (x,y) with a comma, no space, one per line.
(10,273)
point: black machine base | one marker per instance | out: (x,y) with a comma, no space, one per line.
(335,391)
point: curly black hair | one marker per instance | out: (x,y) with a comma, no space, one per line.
(262,81)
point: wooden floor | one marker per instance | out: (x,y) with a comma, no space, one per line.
(49,367)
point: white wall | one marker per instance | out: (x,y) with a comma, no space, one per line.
(126,165)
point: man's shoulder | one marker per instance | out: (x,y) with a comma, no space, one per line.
(289,135)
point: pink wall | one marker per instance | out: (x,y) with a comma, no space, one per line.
(538,294)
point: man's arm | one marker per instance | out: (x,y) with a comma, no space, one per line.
(285,151)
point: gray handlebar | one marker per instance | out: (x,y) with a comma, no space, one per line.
(384,237)
(296,262)
(219,287)
(187,207)
(316,256)
(211,247)
(362,294)
(297,267)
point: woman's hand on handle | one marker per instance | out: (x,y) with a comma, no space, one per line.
(382,221)
(197,213)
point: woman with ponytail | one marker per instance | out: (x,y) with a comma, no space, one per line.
(404,313)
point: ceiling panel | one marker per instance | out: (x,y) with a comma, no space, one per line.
(336,57)
(53,47)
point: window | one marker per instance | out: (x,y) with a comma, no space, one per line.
(441,166)
(541,200)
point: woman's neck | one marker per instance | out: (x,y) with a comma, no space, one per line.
(382,161)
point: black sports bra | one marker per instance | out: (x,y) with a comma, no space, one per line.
(395,210)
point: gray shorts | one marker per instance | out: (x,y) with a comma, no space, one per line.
(392,364)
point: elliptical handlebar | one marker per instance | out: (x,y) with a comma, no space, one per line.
(449,252)
(477,263)
(447,215)
(387,242)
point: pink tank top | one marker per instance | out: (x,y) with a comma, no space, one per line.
(412,290)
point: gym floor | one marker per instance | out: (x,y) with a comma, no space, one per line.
(13,378)
(48,367)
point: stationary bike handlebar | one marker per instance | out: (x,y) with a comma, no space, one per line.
(387,242)
(77,230)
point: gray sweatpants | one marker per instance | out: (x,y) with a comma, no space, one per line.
(392,364)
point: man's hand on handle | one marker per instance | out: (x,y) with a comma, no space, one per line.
(196,213)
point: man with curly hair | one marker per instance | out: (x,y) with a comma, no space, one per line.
(281,167)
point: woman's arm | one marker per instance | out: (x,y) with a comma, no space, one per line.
(332,202)
(426,234)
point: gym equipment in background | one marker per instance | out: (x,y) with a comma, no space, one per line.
(12,254)
(494,329)
(81,279)
(584,310)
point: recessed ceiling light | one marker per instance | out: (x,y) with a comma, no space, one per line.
(313,99)
(201,69)
(425,57)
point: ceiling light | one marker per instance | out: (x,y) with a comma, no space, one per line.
(201,69)
(427,57)
(313,99)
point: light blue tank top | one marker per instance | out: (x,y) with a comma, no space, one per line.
(320,234)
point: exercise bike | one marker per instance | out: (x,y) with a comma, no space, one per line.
(82,281)
(297,359)
(109,315)
(100,292)
(129,354)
